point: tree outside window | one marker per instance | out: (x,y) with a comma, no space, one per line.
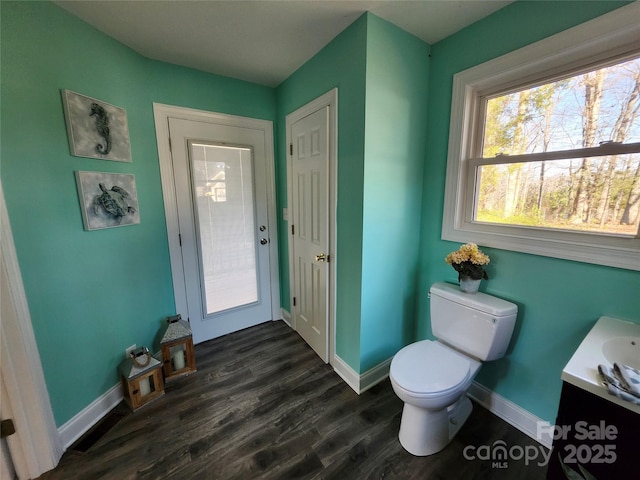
(578,118)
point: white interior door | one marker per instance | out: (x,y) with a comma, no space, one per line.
(309,205)
(221,184)
(7,469)
(35,447)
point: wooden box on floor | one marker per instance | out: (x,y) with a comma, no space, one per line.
(178,355)
(141,378)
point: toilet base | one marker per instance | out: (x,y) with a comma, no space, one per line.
(425,432)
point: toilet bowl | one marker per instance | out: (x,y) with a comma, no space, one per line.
(428,393)
(431,377)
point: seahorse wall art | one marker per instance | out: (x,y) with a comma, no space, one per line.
(96,129)
(102,126)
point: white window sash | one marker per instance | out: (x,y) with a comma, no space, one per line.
(606,149)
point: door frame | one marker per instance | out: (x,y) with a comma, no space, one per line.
(162,113)
(36,446)
(329,99)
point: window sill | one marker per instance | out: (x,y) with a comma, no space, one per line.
(619,252)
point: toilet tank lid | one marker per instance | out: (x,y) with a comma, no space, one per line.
(480,301)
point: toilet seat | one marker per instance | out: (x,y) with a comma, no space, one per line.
(445,369)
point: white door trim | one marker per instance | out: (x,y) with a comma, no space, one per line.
(36,447)
(161,114)
(329,99)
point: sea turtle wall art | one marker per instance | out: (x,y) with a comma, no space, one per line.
(107,199)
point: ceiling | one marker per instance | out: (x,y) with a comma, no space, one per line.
(261,41)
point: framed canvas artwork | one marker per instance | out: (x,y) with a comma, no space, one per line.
(107,199)
(96,129)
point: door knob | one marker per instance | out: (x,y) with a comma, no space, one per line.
(263,241)
(321,258)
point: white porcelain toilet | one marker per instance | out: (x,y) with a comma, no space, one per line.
(432,376)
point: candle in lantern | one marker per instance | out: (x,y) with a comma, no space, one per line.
(145,387)
(178,360)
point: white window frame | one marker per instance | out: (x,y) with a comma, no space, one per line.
(612,35)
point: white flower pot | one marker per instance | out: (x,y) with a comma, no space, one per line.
(469,285)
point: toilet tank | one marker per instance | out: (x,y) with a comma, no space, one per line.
(480,325)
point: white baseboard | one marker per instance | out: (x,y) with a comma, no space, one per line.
(92,414)
(361,383)
(286,317)
(511,413)
(374,375)
(348,374)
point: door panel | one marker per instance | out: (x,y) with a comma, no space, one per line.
(310,167)
(221,193)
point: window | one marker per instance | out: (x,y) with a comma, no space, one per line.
(544,148)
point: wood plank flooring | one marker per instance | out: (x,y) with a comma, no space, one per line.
(263,406)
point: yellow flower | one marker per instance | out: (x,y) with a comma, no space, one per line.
(468,252)
(468,260)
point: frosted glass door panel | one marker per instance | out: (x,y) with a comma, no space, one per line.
(225,224)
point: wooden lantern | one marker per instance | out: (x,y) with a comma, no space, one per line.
(178,355)
(141,378)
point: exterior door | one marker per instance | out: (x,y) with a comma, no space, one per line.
(221,186)
(309,207)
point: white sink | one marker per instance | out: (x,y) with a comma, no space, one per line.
(623,350)
(610,341)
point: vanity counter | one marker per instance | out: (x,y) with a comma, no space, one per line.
(582,369)
(595,431)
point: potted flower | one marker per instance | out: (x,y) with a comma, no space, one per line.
(468,261)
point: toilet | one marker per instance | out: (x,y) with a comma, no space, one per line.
(431,377)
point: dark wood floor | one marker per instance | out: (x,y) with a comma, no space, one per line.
(263,406)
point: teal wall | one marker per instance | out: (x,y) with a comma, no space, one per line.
(90,294)
(340,64)
(381,73)
(395,125)
(559,301)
